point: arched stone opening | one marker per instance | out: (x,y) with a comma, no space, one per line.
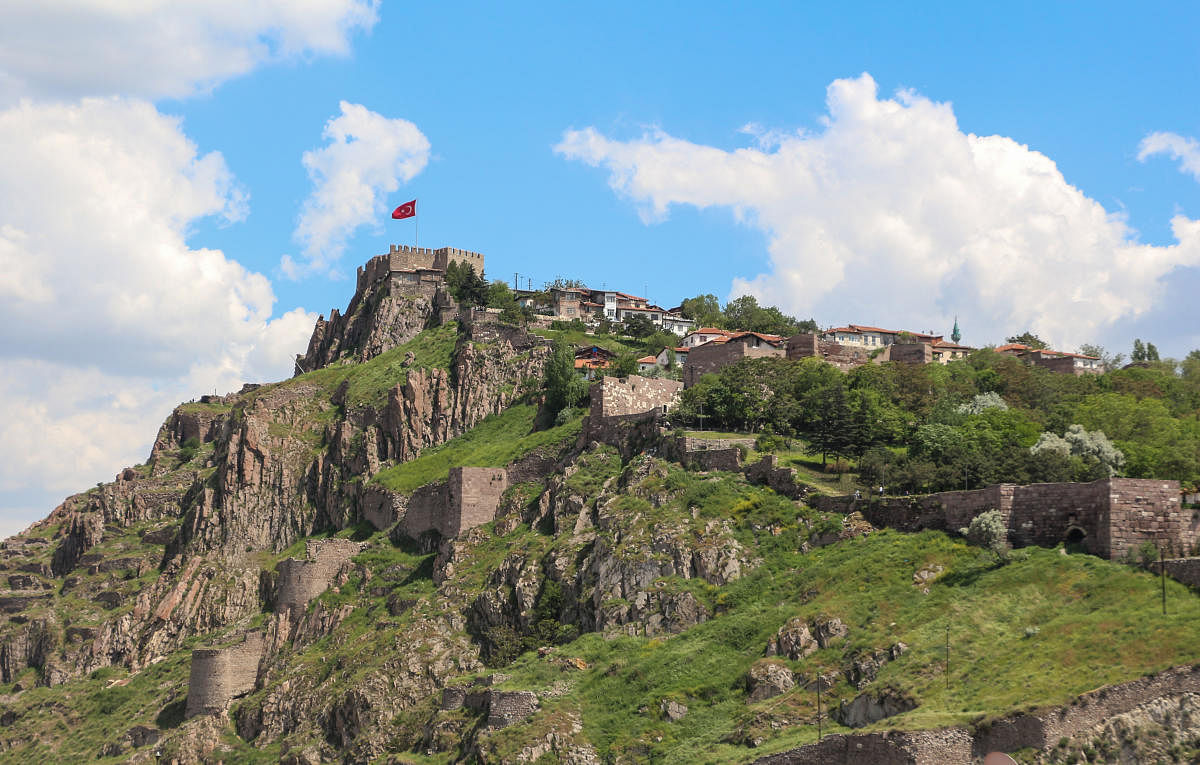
(1075,540)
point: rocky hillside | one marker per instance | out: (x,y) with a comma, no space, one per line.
(253,593)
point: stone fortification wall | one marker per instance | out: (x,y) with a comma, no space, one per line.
(713,357)
(618,396)
(302,580)
(782,480)
(625,411)
(219,675)
(910,353)
(924,747)
(1039,731)
(807,345)
(1186,570)
(1108,517)
(1150,510)
(1042,730)
(468,498)
(405,258)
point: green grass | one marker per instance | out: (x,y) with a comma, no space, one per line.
(1098,624)
(614,343)
(495,442)
(370,381)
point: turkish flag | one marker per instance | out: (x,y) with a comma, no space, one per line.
(406,210)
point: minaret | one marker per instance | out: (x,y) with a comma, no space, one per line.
(956,335)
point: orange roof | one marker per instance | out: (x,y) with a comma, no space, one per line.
(710,331)
(648,360)
(591,363)
(1011,347)
(631,297)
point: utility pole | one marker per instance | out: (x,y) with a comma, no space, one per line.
(516,281)
(947,655)
(818,706)
(1162,566)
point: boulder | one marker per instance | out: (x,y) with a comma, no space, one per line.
(767,679)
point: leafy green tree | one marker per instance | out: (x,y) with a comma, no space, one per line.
(832,430)
(639,326)
(559,378)
(624,365)
(1028,338)
(705,310)
(466,286)
(1139,351)
(1090,446)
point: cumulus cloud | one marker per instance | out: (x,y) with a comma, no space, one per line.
(890,214)
(1186,150)
(368,157)
(107,316)
(157,48)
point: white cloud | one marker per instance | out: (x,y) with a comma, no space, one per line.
(156,48)
(107,317)
(368,156)
(1186,150)
(892,215)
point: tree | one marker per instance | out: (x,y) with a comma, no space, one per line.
(1090,446)
(639,326)
(1110,361)
(466,286)
(982,401)
(832,429)
(704,309)
(625,365)
(1139,351)
(561,284)
(558,377)
(1028,338)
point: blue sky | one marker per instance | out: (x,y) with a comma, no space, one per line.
(1021,166)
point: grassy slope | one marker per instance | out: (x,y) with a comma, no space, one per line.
(371,380)
(1097,622)
(495,442)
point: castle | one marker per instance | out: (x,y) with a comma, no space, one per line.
(412,267)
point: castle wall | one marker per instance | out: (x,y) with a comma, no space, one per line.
(1038,731)
(617,396)
(474,495)
(1145,510)
(1112,515)
(807,345)
(713,357)
(910,353)
(468,498)
(302,580)
(219,675)
(405,258)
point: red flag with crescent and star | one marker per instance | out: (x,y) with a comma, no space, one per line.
(406,210)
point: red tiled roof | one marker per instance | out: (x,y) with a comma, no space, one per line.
(1011,347)
(709,331)
(630,297)
(648,360)
(591,363)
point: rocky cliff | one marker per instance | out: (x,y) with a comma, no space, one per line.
(250,593)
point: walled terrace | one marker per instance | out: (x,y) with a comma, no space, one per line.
(1109,518)
(219,675)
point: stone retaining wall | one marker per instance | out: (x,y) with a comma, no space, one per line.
(1108,517)
(301,580)
(1040,731)
(219,675)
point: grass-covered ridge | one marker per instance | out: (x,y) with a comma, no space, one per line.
(495,442)
(1035,632)
(370,380)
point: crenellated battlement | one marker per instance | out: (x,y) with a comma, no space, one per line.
(405,258)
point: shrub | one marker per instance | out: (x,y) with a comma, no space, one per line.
(987,530)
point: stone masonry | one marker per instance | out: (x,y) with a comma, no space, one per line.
(713,357)
(302,580)
(468,498)
(806,345)
(1109,517)
(617,398)
(219,675)
(1038,731)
